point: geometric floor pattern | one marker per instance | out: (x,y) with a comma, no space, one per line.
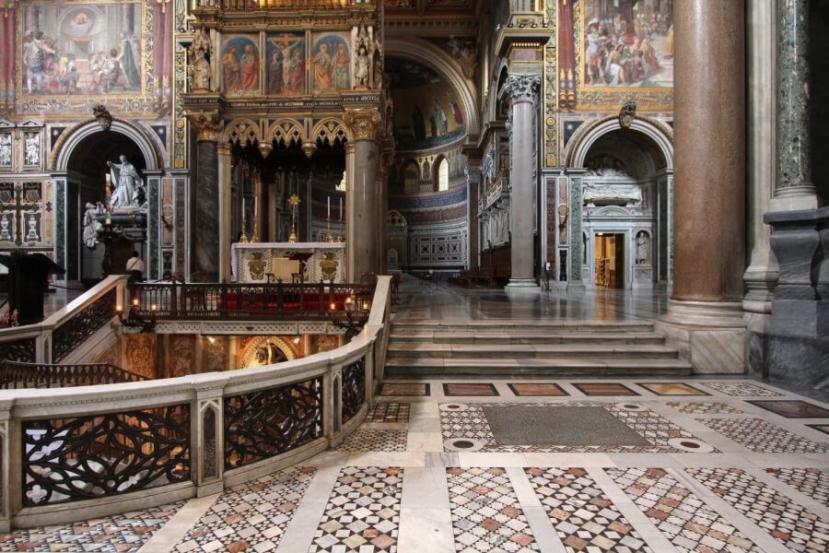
(684,518)
(716,473)
(486,514)
(789,523)
(120,533)
(363,512)
(583,516)
(250,516)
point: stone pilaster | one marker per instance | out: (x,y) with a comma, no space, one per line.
(523,92)
(361,192)
(704,318)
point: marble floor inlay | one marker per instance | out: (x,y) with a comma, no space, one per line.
(250,516)
(486,514)
(789,523)
(424,473)
(684,518)
(584,517)
(363,512)
(792,409)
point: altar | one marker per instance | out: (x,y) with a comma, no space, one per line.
(308,262)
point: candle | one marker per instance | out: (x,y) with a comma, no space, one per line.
(243,207)
(329,207)
(341,209)
(255,206)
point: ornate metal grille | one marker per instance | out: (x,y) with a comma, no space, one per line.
(19,350)
(354,388)
(76,330)
(96,456)
(14,374)
(267,423)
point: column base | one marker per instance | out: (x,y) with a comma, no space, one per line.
(711,335)
(522,285)
(797,200)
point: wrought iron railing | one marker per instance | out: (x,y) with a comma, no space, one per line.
(102,449)
(99,456)
(172,300)
(17,374)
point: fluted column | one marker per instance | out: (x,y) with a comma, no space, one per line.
(709,185)
(361,193)
(795,190)
(204,196)
(523,91)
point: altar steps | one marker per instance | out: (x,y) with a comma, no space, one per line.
(533,348)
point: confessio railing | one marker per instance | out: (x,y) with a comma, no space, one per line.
(133,443)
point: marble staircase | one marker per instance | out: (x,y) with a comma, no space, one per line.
(508,348)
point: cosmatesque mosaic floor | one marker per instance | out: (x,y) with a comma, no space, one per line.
(701,465)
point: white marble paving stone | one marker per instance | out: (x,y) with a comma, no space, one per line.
(424,529)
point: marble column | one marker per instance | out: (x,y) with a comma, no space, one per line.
(204,197)
(225,238)
(473,183)
(523,91)
(761,171)
(795,190)
(361,193)
(704,316)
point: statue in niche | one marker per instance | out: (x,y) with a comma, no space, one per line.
(642,248)
(606,166)
(129,192)
(200,61)
(91,225)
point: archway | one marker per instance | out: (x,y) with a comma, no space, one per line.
(626,210)
(78,163)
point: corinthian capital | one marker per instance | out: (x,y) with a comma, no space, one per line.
(364,123)
(522,88)
(208,126)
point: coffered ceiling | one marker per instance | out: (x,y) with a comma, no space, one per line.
(434,17)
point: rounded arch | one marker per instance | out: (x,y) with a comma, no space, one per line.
(331,131)
(432,56)
(65,146)
(243,131)
(266,348)
(286,131)
(656,134)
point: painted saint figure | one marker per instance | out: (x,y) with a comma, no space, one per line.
(322,69)
(231,70)
(250,70)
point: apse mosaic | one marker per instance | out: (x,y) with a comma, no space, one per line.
(427,111)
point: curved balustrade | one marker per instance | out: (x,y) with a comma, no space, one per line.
(113,447)
(16,374)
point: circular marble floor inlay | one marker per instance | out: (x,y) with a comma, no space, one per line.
(691,445)
(463,444)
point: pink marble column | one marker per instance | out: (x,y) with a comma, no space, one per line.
(710,184)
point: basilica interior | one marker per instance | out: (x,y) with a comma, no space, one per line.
(509,164)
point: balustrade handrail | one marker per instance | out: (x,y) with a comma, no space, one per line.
(19,374)
(100,449)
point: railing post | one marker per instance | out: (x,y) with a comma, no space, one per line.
(224,299)
(10,471)
(207,439)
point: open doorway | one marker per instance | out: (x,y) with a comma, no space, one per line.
(610,260)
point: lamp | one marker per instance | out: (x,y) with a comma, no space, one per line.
(134,318)
(353,317)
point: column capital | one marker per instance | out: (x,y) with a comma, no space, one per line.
(365,123)
(522,88)
(208,125)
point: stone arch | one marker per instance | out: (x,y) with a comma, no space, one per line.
(331,131)
(287,132)
(243,130)
(432,56)
(249,357)
(65,146)
(649,131)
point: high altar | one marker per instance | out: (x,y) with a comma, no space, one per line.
(263,262)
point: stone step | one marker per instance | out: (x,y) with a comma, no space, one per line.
(524,337)
(516,327)
(523,351)
(404,368)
